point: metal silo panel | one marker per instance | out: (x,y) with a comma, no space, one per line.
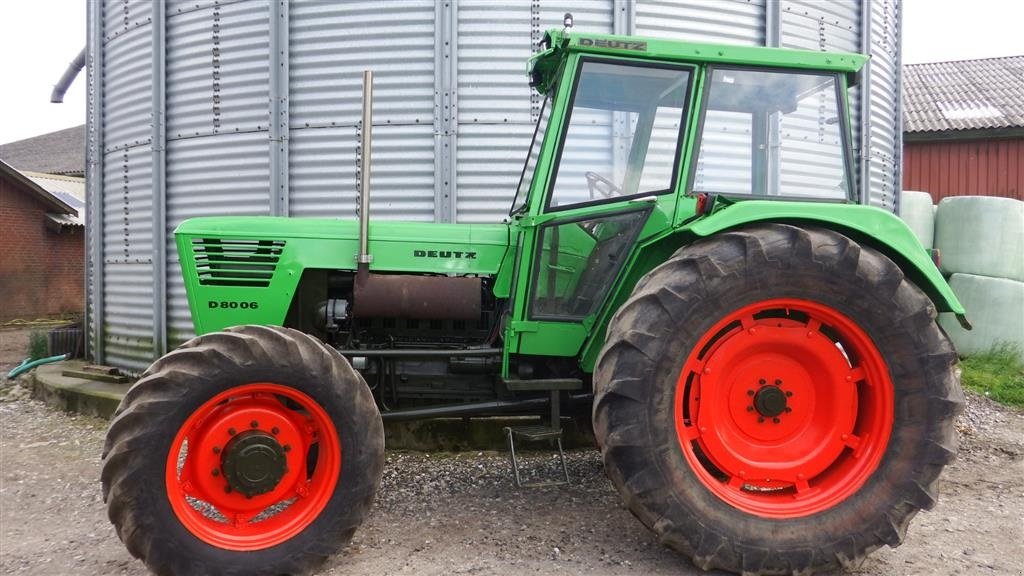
(494,41)
(126,82)
(496,111)
(837,25)
(594,16)
(725,21)
(402,184)
(127,205)
(226,174)
(223,174)
(189,71)
(217,69)
(244,67)
(128,321)
(94,178)
(331,43)
(120,16)
(885,137)
(322,172)
(816,25)
(489,165)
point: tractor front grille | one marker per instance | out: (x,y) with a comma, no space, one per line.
(236,262)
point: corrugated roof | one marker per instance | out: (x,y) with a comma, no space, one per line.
(964,95)
(68,189)
(60,152)
(64,205)
(59,185)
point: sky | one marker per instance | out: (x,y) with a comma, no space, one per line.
(39,38)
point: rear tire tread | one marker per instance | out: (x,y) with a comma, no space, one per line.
(624,371)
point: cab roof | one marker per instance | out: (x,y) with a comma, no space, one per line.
(561,43)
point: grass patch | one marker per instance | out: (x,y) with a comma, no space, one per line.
(37,345)
(998,374)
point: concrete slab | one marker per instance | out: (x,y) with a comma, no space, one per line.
(89,397)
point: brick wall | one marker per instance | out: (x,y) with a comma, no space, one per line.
(41,268)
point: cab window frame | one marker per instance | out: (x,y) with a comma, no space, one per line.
(677,161)
(853,194)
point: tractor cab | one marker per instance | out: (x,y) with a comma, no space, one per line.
(634,136)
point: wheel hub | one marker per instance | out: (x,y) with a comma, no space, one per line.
(253,463)
(770,401)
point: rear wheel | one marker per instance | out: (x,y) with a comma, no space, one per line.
(252,451)
(776,400)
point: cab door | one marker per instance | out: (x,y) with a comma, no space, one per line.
(612,183)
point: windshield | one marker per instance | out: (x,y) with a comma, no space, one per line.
(772,133)
(530,168)
(622,133)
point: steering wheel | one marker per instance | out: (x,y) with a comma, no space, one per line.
(601,185)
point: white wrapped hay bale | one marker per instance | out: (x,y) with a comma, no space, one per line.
(917,211)
(981,235)
(995,307)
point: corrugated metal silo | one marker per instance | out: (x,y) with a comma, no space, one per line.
(252,107)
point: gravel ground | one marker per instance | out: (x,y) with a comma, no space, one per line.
(459,514)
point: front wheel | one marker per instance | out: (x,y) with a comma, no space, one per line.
(776,400)
(252,451)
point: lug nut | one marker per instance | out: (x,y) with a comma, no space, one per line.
(750,392)
(788,409)
(232,432)
(750,408)
(254,424)
(762,382)
(788,393)
(776,420)
(778,382)
(275,430)
(287,447)
(760,419)
(227,489)
(215,472)
(216,449)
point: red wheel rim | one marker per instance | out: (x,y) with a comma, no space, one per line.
(784,408)
(294,464)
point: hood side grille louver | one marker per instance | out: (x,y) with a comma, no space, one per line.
(236,262)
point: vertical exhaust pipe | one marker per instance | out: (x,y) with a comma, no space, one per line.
(384,296)
(364,258)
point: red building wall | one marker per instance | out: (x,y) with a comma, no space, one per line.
(41,269)
(965,168)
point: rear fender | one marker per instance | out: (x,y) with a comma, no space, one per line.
(868,225)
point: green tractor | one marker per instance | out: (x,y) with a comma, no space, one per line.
(685,261)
